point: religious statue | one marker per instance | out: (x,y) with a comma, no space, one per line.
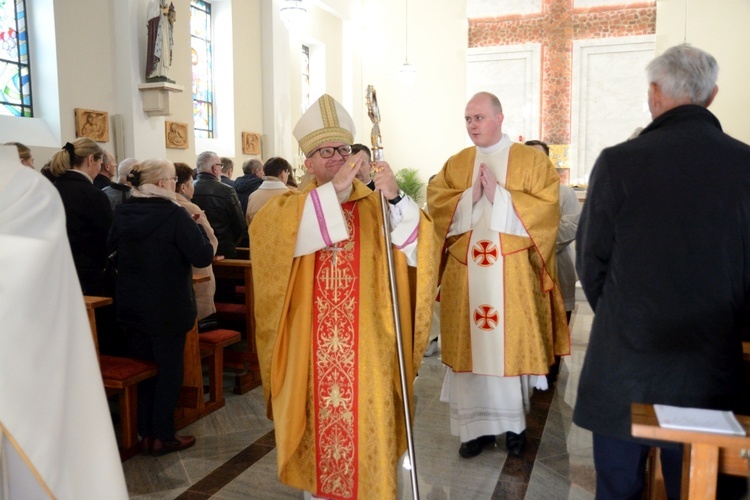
(161,19)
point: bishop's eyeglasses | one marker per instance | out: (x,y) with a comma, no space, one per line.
(328,152)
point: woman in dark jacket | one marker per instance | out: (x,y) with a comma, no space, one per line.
(88,214)
(157,244)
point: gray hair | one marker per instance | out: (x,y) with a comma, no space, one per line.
(203,163)
(124,168)
(251,166)
(685,72)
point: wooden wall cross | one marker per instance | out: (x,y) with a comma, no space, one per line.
(555,28)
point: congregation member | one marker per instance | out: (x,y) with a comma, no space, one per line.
(107,171)
(364,175)
(570,212)
(502,318)
(326,340)
(24,154)
(662,250)
(204,292)
(56,438)
(88,214)
(119,191)
(157,244)
(220,203)
(249,182)
(276,172)
(227,169)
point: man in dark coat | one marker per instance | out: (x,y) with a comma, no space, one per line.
(248,183)
(664,259)
(220,203)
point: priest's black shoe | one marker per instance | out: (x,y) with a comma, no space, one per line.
(474,447)
(515,442)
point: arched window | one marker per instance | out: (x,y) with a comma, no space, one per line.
(202,58)
(15,72)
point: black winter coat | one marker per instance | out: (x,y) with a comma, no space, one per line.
(663,255)
(157,244)
(223,211)
(245,186)
(88,217)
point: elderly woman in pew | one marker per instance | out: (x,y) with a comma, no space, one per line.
(204,292)
(158,242)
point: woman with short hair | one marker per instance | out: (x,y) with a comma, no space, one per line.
(204,292)
(157,245)
(276,173)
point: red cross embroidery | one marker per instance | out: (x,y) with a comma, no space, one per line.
(484,253)
(486,317)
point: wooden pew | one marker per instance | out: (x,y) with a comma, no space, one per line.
(121,377)
(212,344)
(192,405)
(706,454)
(246,360)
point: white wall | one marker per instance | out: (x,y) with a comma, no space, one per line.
(719,28)
(423,116)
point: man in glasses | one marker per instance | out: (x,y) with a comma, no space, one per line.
(326,340)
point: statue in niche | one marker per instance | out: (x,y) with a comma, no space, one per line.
(161,20)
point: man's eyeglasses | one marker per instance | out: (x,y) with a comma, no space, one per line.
(344,150)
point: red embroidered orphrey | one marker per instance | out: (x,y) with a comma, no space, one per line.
(486,317)
(484,253)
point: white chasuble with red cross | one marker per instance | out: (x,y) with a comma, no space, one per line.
(486,266)
(335,363)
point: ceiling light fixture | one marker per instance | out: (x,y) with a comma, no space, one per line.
(293,13)
(407,68)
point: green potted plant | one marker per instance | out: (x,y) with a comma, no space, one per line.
(411,183)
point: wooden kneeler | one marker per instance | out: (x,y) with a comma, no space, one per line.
(212,344)
(121,377)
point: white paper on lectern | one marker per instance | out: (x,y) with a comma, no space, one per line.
(698,419)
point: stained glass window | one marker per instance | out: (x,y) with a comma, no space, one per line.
(15,76)
(203,88)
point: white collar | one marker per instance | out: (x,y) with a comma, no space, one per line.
(503,143)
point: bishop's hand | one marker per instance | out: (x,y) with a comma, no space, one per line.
(384,179)
(348,171)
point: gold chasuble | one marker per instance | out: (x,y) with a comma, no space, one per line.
(534,322)
(327,346)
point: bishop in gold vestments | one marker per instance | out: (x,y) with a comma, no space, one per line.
(325,334)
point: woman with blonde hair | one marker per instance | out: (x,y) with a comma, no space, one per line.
(204,292)
(24,153)
(157,245)
(88,214)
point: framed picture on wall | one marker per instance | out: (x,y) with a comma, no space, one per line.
(92,124)
(176,135)
(250,143)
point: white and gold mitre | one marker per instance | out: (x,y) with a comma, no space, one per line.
(325,121)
